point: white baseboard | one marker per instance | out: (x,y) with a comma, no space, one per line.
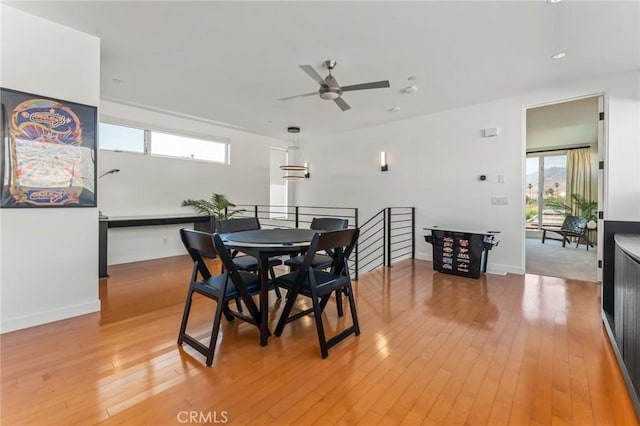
(45,317)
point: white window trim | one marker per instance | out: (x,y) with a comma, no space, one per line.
(147,140)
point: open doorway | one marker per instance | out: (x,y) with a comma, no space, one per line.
(562,146)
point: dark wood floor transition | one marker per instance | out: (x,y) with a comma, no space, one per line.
(434,349)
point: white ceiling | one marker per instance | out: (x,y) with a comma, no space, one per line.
(229,61)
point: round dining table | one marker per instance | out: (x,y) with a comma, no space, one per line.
(263,244)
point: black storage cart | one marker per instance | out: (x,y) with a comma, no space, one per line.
(462,253)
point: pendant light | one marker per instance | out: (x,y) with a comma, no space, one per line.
(299,172)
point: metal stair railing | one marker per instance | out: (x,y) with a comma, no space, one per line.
(388,236)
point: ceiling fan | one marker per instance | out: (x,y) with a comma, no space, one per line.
(329,87)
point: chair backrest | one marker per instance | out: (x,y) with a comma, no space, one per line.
(199,246)
(202,245)
(329,223)
(574,224)
(238,224)
(225,258)
(340,242)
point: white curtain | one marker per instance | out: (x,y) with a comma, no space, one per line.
(579,178)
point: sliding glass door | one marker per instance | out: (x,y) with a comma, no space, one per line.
(546,189)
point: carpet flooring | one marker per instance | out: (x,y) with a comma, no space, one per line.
(553,260)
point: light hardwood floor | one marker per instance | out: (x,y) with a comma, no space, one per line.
(434,350)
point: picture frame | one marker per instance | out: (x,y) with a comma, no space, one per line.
(48,150)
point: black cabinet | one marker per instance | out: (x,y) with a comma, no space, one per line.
(621,300)
(627,306)
(460,253)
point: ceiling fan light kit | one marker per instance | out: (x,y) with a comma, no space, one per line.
(330,90)
(329,95)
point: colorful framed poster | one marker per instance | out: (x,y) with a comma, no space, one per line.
(48,152)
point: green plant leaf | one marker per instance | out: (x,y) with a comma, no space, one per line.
(217,206)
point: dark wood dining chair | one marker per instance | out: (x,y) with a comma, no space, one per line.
(247,263)
(321,260)
(229,285)
(318,285)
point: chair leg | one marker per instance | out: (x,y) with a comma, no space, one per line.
(238,304)
(185,316)
(544,235)
(273,277)
(317,313)
(352,306)
(214,332)
(339,302)
(324,300)
(225,310)
(286,311)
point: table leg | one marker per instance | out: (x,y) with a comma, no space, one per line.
(263,267)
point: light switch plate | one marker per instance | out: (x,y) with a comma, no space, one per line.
(499,201)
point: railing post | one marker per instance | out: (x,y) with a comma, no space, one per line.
(388,242)
(297,217)
(356,247)
(413,232)
(255,210)
(384,236)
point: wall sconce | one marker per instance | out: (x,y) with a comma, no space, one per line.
(383,162)
(109,172)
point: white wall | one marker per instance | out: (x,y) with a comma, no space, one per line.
(567,124)
(48,257)
(435,161)
(152,186)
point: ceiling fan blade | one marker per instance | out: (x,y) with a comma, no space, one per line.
(342,104)
(313,74)
(297,96)
(373,85)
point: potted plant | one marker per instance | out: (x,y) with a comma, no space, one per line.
(218,207)
(580,206)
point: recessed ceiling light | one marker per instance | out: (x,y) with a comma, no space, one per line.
(410,89)
(553,1)
(559,55)
(395,109)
